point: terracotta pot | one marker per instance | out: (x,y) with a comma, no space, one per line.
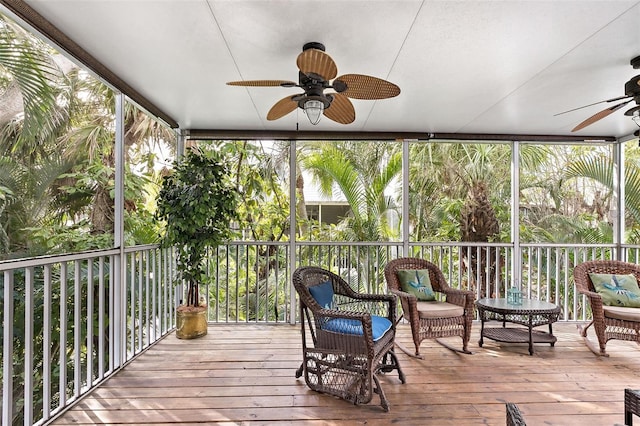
(191,322)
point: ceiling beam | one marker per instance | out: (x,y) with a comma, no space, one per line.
(203,134)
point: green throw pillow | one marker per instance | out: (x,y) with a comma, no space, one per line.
(617,290)
(416,282)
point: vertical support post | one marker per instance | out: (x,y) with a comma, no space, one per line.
(516,259)
(180,144)
(179,290)
(292,227)
(119,322)
(405,198)
(619,194)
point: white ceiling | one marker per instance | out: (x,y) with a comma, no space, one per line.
(494,67)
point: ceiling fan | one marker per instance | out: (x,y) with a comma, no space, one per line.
(631,93)
(316,70)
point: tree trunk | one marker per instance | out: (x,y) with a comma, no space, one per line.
(478,223)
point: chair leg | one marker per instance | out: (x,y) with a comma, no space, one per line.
(597,350)
(464,350)
(383,399)
(390,362)
(299,371)
(408,351)
(583,330)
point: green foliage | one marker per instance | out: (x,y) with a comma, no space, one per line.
(198,201)
(363,171)
(32,71)
(263,209)
(441,176)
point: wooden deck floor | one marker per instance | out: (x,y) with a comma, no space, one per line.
(244,374)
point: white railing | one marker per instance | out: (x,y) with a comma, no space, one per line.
(77,319)
(250,281)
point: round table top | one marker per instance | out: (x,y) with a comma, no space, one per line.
(500,304)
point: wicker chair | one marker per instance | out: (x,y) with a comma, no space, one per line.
(350,337)
(453,317)
(514,417)
(609,322)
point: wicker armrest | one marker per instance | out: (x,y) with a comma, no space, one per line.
(410,299)
(375,297)
(458,297)
(379,304)
(595,300)
(402,294)
(590,294)
(334,313)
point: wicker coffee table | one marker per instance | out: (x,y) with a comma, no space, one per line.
(531,313)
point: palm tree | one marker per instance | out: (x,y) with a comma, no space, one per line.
(599,169)
(30,82)
(364,172)
(461,193)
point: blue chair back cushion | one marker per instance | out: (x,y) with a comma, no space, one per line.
(323,293)
(379,325)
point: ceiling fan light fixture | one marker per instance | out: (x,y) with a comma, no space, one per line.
(636,117)
(313,108)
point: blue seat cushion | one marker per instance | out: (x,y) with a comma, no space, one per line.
(323,294)
(379,325)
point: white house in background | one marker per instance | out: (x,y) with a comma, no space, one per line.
(327,210)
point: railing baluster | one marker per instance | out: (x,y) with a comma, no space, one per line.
(139,306)
(246,284)
(131,304)
(101,301)
(116,346)
(63,336)
(7,353)
(46,345)
(28,347)
(77,329)
(566,284)
(266,283)
(153,324)
(89,323)
(147,301)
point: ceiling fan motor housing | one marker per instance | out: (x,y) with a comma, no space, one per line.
(313,85)
(632,87)
(313,45)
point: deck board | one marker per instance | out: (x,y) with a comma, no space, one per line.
(244,374)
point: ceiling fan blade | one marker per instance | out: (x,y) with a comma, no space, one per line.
(599,116)
(619,98)
(317,62)
(360,86)
(281,108)
(262,83)
(341,109)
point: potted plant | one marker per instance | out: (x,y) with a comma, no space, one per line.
(198,201)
